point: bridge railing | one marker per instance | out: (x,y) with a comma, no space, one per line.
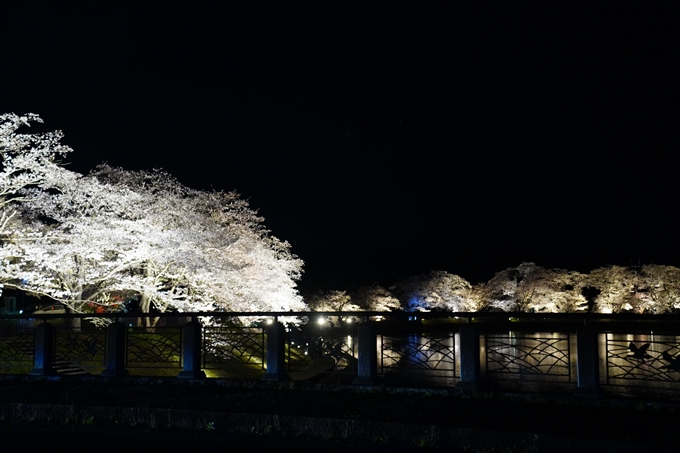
(584,353)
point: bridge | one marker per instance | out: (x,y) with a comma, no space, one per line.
(583,354)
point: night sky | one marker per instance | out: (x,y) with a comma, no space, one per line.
(380,141)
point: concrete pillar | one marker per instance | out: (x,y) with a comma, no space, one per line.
(587,364)
(191,351)
(276,353)
(115,351)
(367,371)
(469,358)
(43,361)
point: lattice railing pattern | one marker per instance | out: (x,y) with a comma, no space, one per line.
(528,355)
(154,347)
(81,347)
(16,347)
(643,357)
(228,345)
(418,352)
(337,350)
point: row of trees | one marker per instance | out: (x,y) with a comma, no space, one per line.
(525,288)
(90,241)
(93,241)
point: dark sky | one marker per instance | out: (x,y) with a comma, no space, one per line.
(381,141)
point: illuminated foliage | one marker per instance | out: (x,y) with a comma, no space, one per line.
(368,298)
(375,298)
(649,289)
(532,288)
(437,290)
(27,160)
(91,241)
(81,239)
(332,301)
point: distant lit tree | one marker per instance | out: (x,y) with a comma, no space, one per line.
(375,298)
(650,289)
(616,287)
(437,290)
(331,301)
(532,288)
(661,291)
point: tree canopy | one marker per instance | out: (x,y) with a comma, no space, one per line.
(84,240)
(91,241)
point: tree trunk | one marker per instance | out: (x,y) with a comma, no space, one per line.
(145,302)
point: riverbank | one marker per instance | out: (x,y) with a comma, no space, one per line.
(400,417)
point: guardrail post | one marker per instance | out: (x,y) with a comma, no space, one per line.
(587,363)
(367,363)
(43,361)
(469,358)
(276,353)
(191,351)
(115,351)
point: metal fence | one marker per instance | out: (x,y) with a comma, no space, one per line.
(234,351)
(419,357)
(628,355)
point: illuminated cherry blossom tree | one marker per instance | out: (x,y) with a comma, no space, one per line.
(27,160)
(437,290)
(375,298)
(332,301)
(532,288)
(662,289)
(616,285)
(649,289)
(84,239)
(88,241)
(216,248)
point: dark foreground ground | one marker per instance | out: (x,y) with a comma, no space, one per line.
(82,414)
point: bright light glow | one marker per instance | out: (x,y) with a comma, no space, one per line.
(270,321)
(321,321)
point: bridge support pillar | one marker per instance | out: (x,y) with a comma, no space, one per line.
(587,364)
(276,353)
(115,351)
(469,358)
(367,364)
(191,351)
(43,360)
